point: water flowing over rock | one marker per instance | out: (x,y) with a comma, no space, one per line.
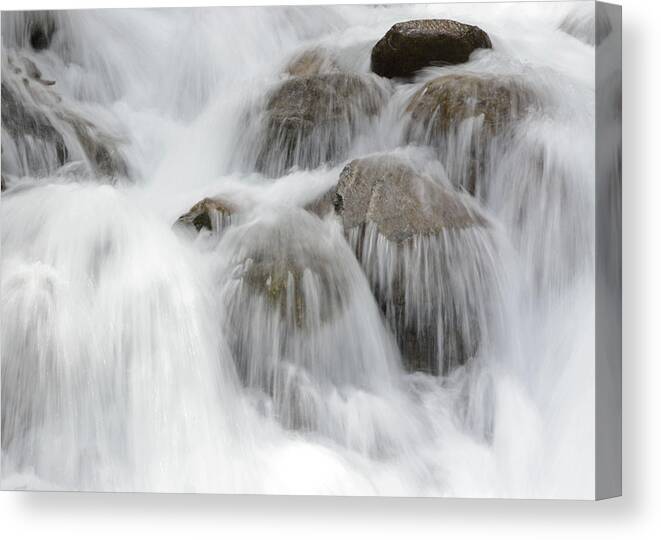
(412,45)
(41,132)
(248,317)
(429,256)
(213,214)
(312,62)
(464,116)
(299,311)
(310,121)
(41,30)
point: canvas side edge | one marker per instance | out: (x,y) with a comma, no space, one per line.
(608,255)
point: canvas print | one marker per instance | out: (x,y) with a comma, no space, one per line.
(340,250)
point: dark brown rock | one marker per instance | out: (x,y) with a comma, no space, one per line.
(412,45)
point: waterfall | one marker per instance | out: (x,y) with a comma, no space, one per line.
(235,260)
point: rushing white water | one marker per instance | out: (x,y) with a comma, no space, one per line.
(136,356)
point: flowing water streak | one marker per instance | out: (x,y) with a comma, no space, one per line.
(133,358)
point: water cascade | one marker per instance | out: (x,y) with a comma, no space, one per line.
(234,259)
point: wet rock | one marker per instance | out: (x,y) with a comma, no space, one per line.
(399,202)
(310,121)
(428,255)
(41,27)
(412,45)
(100,148)
(21,118)
(439,110)
(285,268)
(312,62)
(213,214)
(33,72)
(444,102)
(48,133)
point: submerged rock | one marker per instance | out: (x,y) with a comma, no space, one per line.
(412,45)
(22,119)
(428,255)
(40,27)
(45,132)
(297,278)
(298,310)
(213,214)
(312,62)
(439,111)
(309,121)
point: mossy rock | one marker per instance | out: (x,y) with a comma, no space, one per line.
(282,260)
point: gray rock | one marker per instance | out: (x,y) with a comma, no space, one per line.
(425,251)
(412,45)
(401,203)
(33,111)
(439,108)
(312,62)
(310,121)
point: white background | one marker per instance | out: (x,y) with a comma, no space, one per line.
(636,515)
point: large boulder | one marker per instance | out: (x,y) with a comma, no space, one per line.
(400,203)
(463,115)
(310,121)
(428,253)
(411,45)
(300,317)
